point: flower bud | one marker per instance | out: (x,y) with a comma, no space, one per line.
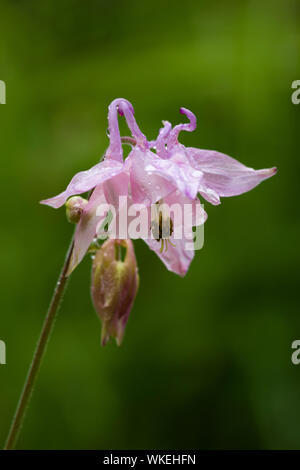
(74,208)
(114,287)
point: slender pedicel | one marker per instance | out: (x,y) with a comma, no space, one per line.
(38,355)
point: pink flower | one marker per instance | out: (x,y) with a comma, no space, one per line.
(174,174)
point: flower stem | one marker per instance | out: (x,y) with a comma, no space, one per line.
(39,354)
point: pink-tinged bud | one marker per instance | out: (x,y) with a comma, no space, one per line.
(114,287)
(74,208)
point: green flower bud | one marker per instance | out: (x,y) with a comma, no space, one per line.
(114,287)
(74,208)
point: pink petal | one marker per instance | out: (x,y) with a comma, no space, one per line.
(116,194)
(153,178)
(86,228)
(225,175)
(123,108)
(106,193)
(190,127)
(177,259)
(193,209)
(126,109)
(209,194)
(116,187)
(115,150)
(86,180)
(161,141)
(146,187)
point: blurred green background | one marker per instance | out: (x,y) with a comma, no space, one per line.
(206,360)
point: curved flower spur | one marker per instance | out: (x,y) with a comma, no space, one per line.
(169,174)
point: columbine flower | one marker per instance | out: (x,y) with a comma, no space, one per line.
(113,177)
(174,174)
(171,175)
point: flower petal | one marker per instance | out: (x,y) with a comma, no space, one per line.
(225,175)
(193,212)
(147,186)
(126,109)
(116,195)
(86,228)
(209,194)
(190,127)
(176,259)
(86,180)
(152,178)
(160,143)
(123,108)
(115,150)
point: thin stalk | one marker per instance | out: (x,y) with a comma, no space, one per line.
(38,355)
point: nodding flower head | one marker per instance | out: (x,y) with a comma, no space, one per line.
(157,172)
(170,171)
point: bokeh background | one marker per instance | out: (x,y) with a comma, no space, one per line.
(206,360)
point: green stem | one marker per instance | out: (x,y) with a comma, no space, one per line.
(38,355)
